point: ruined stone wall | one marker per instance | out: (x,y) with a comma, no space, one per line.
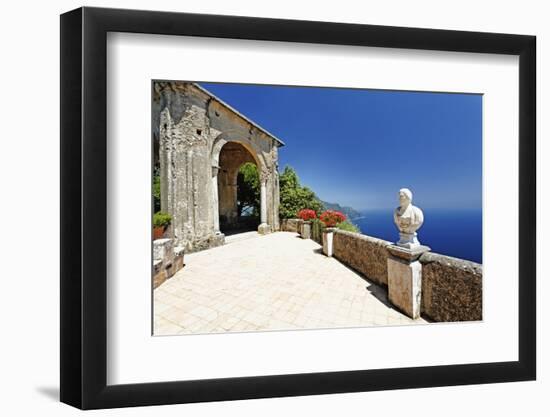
(184,155)
(451,288)
(366,254)
(190,127)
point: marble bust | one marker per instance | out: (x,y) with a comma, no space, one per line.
(408,220)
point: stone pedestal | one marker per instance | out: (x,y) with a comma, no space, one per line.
(408,240)
(405,278)
(328,237)
(306,230)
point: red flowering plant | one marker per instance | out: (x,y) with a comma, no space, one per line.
(307,214)
(331,218)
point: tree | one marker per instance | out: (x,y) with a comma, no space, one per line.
(248,190)
(294,197)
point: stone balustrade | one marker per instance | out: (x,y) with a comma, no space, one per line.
(451,287)
(290,225)
(367,255)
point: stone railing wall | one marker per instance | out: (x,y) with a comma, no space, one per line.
(451,287)
(290,225)
(367,255)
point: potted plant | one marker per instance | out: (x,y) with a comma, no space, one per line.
(306,215)
(161,221)
(331,219)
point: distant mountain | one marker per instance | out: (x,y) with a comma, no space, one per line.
(350,212)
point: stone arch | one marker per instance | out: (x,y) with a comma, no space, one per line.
(229,136)
(191,126)
(232,156)
(224,197)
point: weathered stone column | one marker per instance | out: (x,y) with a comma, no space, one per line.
(404,269)
(263,228)
(215,199)
(263,203)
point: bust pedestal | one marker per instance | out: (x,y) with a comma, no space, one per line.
(405,277)
(408,240)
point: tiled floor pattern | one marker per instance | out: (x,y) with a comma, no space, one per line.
(273,282)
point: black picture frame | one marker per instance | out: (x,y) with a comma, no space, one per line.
(84,207)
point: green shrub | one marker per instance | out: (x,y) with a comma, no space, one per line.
(161,219)
(294,197)
(348,227)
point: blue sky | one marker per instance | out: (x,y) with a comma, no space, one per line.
(359,147)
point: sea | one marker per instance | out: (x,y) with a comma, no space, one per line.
(452,233)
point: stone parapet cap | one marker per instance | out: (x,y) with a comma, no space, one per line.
(361,236)
(449,261)
(408,254)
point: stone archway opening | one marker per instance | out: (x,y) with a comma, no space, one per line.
(238,190)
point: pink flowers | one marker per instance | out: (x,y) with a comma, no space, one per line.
(307,214)
(332,217)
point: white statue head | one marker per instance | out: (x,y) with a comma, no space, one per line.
(408,219)
(405,197)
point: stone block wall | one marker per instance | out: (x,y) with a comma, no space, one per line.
(451,288)
(290,225)
(167,260)
(366,254)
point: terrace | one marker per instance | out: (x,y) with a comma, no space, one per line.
(269,282)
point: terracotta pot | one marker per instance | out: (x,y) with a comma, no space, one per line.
(158,232)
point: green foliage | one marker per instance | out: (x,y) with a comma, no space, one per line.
(294,197)
(348,227)
(248,190)
(156,190)
(161,219)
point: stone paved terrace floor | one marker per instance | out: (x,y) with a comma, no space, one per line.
(273,282)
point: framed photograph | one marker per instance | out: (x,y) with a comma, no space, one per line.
(260,208)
